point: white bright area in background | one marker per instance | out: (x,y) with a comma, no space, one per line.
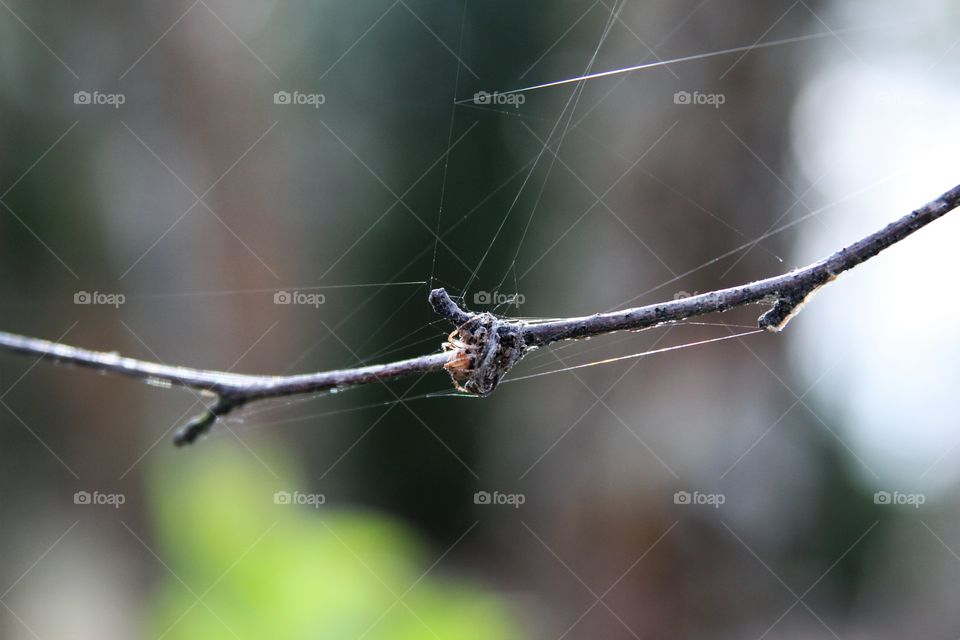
(887,107)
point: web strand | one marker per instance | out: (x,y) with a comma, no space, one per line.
(635,355)
(691,58)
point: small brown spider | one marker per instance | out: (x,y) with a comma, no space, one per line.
(480,351)
(462,358)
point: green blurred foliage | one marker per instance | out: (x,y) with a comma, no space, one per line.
(266,570)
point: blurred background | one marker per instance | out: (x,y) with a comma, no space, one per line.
(273,187)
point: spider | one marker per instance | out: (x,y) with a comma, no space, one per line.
(460,364)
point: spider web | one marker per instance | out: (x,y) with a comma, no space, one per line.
(529,183)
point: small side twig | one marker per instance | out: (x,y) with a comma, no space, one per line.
(483,347)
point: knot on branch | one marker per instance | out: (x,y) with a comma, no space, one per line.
(789,304)
(483,347)
(200,425)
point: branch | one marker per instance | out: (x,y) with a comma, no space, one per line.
(232,390)
(483,347)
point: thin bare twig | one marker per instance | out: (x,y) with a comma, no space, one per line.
(484,347)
